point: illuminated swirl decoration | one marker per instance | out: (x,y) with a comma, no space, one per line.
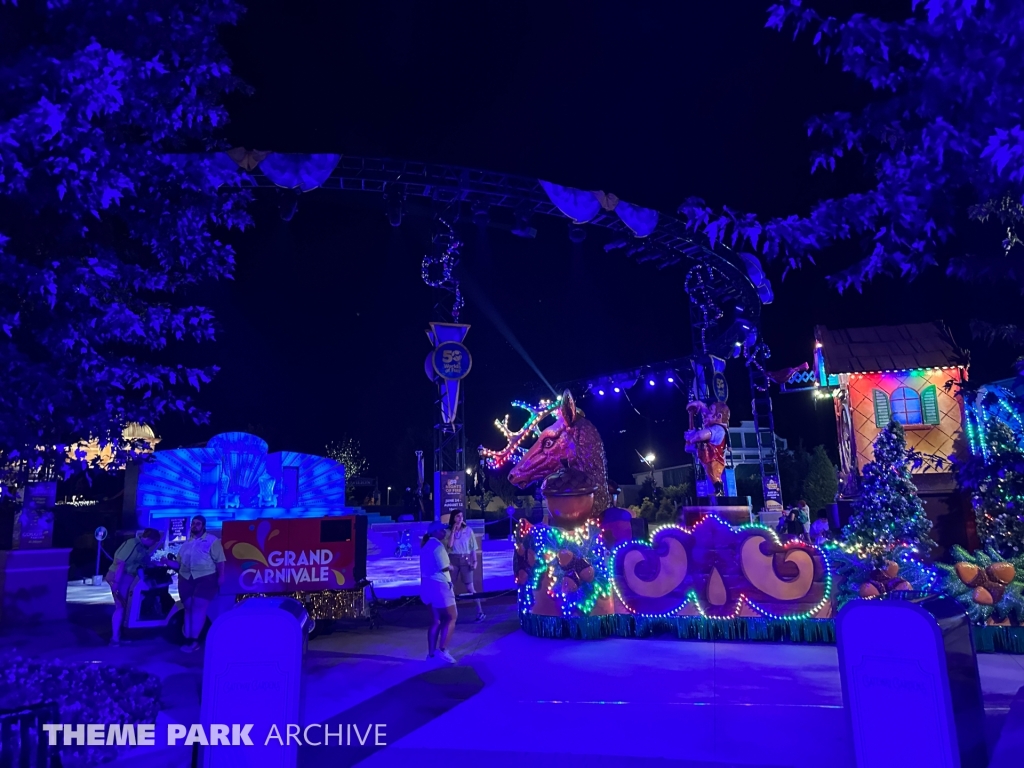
(517,438)
(720,571)
(569,568)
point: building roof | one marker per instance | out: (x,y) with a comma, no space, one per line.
(887,348)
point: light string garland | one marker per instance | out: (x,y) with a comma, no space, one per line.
(754,358)
(700,295)
(445,251)
(567,555)
(515,449)
(693,599)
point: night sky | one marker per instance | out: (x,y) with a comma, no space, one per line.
(323,328)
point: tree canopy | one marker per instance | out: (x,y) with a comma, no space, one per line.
(940,147)
(105,226)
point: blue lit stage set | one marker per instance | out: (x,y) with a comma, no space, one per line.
(235,478)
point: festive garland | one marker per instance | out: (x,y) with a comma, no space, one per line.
(575,564)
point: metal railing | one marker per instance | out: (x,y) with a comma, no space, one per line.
(23,743)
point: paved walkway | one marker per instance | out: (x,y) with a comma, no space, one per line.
(518,699)
(392,577)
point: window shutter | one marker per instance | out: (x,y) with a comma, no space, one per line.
(930,405)
(882,413)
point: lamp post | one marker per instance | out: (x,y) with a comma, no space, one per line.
(389,495)
(649,461)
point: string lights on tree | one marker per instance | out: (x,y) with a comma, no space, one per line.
(994,472)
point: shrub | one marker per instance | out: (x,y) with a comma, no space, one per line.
(85,692)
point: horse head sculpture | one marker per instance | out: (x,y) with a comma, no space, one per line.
(573,441)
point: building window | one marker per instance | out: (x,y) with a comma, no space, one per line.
(736,439)
(674,476)
(750,439)
(906,406)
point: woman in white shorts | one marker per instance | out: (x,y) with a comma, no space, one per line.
(437,592)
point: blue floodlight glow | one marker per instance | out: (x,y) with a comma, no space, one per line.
(671,380)
(600,391)
(651,382)
(617,390)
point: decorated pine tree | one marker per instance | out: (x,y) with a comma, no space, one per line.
(995,480)
(888,515)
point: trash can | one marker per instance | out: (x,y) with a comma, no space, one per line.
(253,674)
(913,656)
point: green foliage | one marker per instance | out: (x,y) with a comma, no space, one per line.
(996,484)
(821,485)
(748,483)
(668,510)
(649,489)
(888,514)
(647,509)
(109,229)
(852,570)
(1009,606)
(85,692)
(939,142)
(677,493)
(794,466)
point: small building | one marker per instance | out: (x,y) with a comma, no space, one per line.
(904,373)
(885,373)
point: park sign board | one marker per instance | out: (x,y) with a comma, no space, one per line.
(270,556)
(33,525)
(449,493)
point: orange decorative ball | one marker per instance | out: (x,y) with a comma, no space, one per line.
(587,574)
(521,578)
(568,585)
(565,558)
(891,569)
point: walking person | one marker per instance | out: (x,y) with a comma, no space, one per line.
(200,567)
(463,552)
(437,592)
(129,561)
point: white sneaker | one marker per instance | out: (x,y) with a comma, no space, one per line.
(430,657)
(481,616)
(443,653)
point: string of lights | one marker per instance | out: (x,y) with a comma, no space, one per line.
(515,448)
(697,289)
(444,254)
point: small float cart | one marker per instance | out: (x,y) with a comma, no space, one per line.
(321,562)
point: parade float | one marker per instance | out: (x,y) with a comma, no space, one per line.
(583,575)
